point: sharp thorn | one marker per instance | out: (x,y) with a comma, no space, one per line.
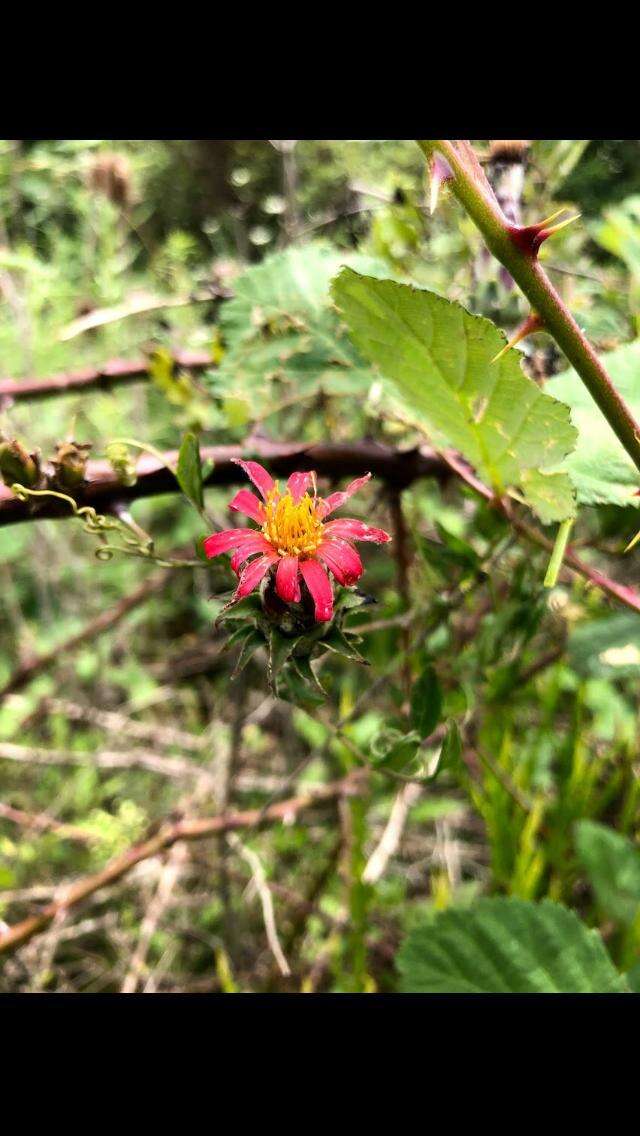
(531,324)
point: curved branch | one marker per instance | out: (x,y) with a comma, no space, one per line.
(103,490)
(399,468)
(170,834)
(114,373)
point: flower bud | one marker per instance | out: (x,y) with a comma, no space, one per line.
(70,464)
(16,465)
(123,465)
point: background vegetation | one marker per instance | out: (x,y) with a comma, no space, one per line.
(490,746)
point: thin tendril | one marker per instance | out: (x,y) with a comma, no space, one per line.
(97,524)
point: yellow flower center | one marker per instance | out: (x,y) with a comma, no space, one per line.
(293,529)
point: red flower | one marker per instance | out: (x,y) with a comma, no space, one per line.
(294,539)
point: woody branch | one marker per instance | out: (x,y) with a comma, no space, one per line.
(188,830)
(399,468)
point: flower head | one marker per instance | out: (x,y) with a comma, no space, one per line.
(294,539)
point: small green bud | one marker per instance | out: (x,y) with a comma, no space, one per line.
(16,465)
(123,465)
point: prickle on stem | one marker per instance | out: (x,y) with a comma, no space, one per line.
(532,323)
(529,238)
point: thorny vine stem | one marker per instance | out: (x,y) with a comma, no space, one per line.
(471,187)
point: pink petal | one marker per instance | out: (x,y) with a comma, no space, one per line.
(252,575)
(298,484)
(249,547)
(350,529)
(225,541)
(336,500)
(287,583)
(319,585)
(258,475)
(342,559)
(246,502)
(236,562)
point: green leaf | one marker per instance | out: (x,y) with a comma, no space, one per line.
(633,978)
(245,608)
(297,688)
(549,495)
(460,550)
(238,635)
(451,752)
(426,702)
(507,946)
(336,641)
(307,673)
(439,358)
(608,647)
(284,341)
(189,470)
(392,749)
(612,863)
(349,599)
(619,233)
(280,648)
(441,563)
(7,877)
(600,467)
(251,642)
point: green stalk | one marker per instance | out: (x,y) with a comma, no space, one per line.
(473,191)
(557,556)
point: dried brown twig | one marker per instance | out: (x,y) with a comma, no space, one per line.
(170,834)
(172,767)
(40,822)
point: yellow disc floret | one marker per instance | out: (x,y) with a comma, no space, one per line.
(293,529)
